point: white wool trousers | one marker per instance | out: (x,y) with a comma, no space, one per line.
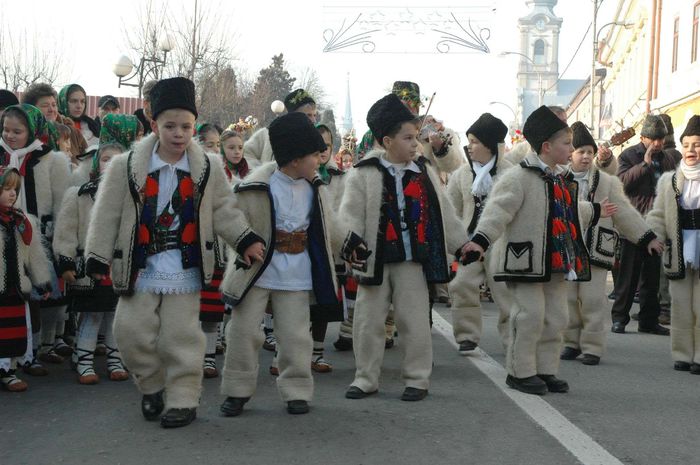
(466,301)
(405,286)
(244,338)
(588,311)
(685,317)
(538,318)
(162,344)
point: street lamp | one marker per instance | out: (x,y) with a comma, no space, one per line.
(147,67)
(534,68)
(515,117)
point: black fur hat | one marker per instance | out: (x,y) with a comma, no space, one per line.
(582,136)
(172,93)
(294,136)
(489,130)
(7,98)
(385,114)
(540,126)
(654,127)
(296,99)
(692,128)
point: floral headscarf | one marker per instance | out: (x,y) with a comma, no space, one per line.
(36,123)
(116,129)
(63,98)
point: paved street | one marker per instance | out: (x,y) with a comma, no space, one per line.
(633,409)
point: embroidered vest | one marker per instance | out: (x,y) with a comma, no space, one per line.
(566,256)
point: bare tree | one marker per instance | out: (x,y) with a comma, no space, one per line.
(23,62)
(309,80)
(143,36)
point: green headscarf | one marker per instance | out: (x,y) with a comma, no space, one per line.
(36,123)
(63,98)
(116,129)
(365,144)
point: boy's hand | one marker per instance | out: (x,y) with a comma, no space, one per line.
(468,252)
(607,208)
(69,276)
(604,153)
(254,252)
(45,295)
(655,247)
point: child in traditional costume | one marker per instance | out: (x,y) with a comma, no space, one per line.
(72,102)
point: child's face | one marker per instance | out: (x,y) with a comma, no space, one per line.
(76,104)
(15,132)
(48,107)
(691,150)
(304,167)
(233,149)
(210,142)
(581,158)
(106,156)
(107,110)
(478,151)
(326,154)
(174,130)
(558,149)
(64,145)
(8,196)
(403,146)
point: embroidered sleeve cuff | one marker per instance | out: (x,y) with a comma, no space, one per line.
(94,266)
(596,213)
(352,241)
(646,239)
(65,264)
(249,239)
(482,240)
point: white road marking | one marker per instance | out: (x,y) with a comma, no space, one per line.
(581,445)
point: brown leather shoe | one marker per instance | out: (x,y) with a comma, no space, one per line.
(118,375)
(88,379)
(35,369)
(321,365)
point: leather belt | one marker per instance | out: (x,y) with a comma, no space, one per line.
(163,241)
(290,242)
(690,219)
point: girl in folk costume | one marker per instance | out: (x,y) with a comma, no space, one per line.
(72,102)
(235,164)
(152,229)
(675,218)
(588,308)
(208,136)
(396,203)
(468,189)
(534,207)
(94,300)
(287,203)
(27,146)
(23,263)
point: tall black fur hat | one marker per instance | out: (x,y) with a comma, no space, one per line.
(294,136)
(692,128)
(540,126)
(489,130)
(172,93)
(296,99)
(386,113)
(582,136)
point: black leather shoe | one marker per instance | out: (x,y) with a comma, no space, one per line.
(467,346)
(554,384)
(569,353)
(681,366)
(618,327)
(177,417)
(152,405)
(343,344)
(590,359)
(411,394)
(695,369)
(529,385)
(233,406)
(656,329)
(355,392)
(297,407)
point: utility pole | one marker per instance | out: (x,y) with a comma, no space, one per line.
(593,61)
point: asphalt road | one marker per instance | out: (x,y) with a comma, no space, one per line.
(633,405)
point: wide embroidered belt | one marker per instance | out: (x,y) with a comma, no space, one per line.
(690,219)
(162,241)
(290,242)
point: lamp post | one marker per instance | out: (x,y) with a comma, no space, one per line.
(534,68)
(596,40)
(148,66)
(515,117)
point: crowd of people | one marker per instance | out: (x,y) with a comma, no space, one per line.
(159,242)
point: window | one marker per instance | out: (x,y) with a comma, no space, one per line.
(538,52)
(674,59)
(694,45)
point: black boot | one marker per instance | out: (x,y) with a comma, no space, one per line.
(529,385)
(297,407)
(177,417)
(554,384)
(569,353)
(152,405)
(411,394)
(233,406)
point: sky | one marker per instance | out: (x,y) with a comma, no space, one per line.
(90,39)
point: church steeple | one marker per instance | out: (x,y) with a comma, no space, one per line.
(347,118)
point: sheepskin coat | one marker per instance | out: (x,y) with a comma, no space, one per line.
(32,265)
(361,213)
(602,237)
(254,199)
(449,161)
(664,219)
(257,150)
(519,210)
(112,234)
